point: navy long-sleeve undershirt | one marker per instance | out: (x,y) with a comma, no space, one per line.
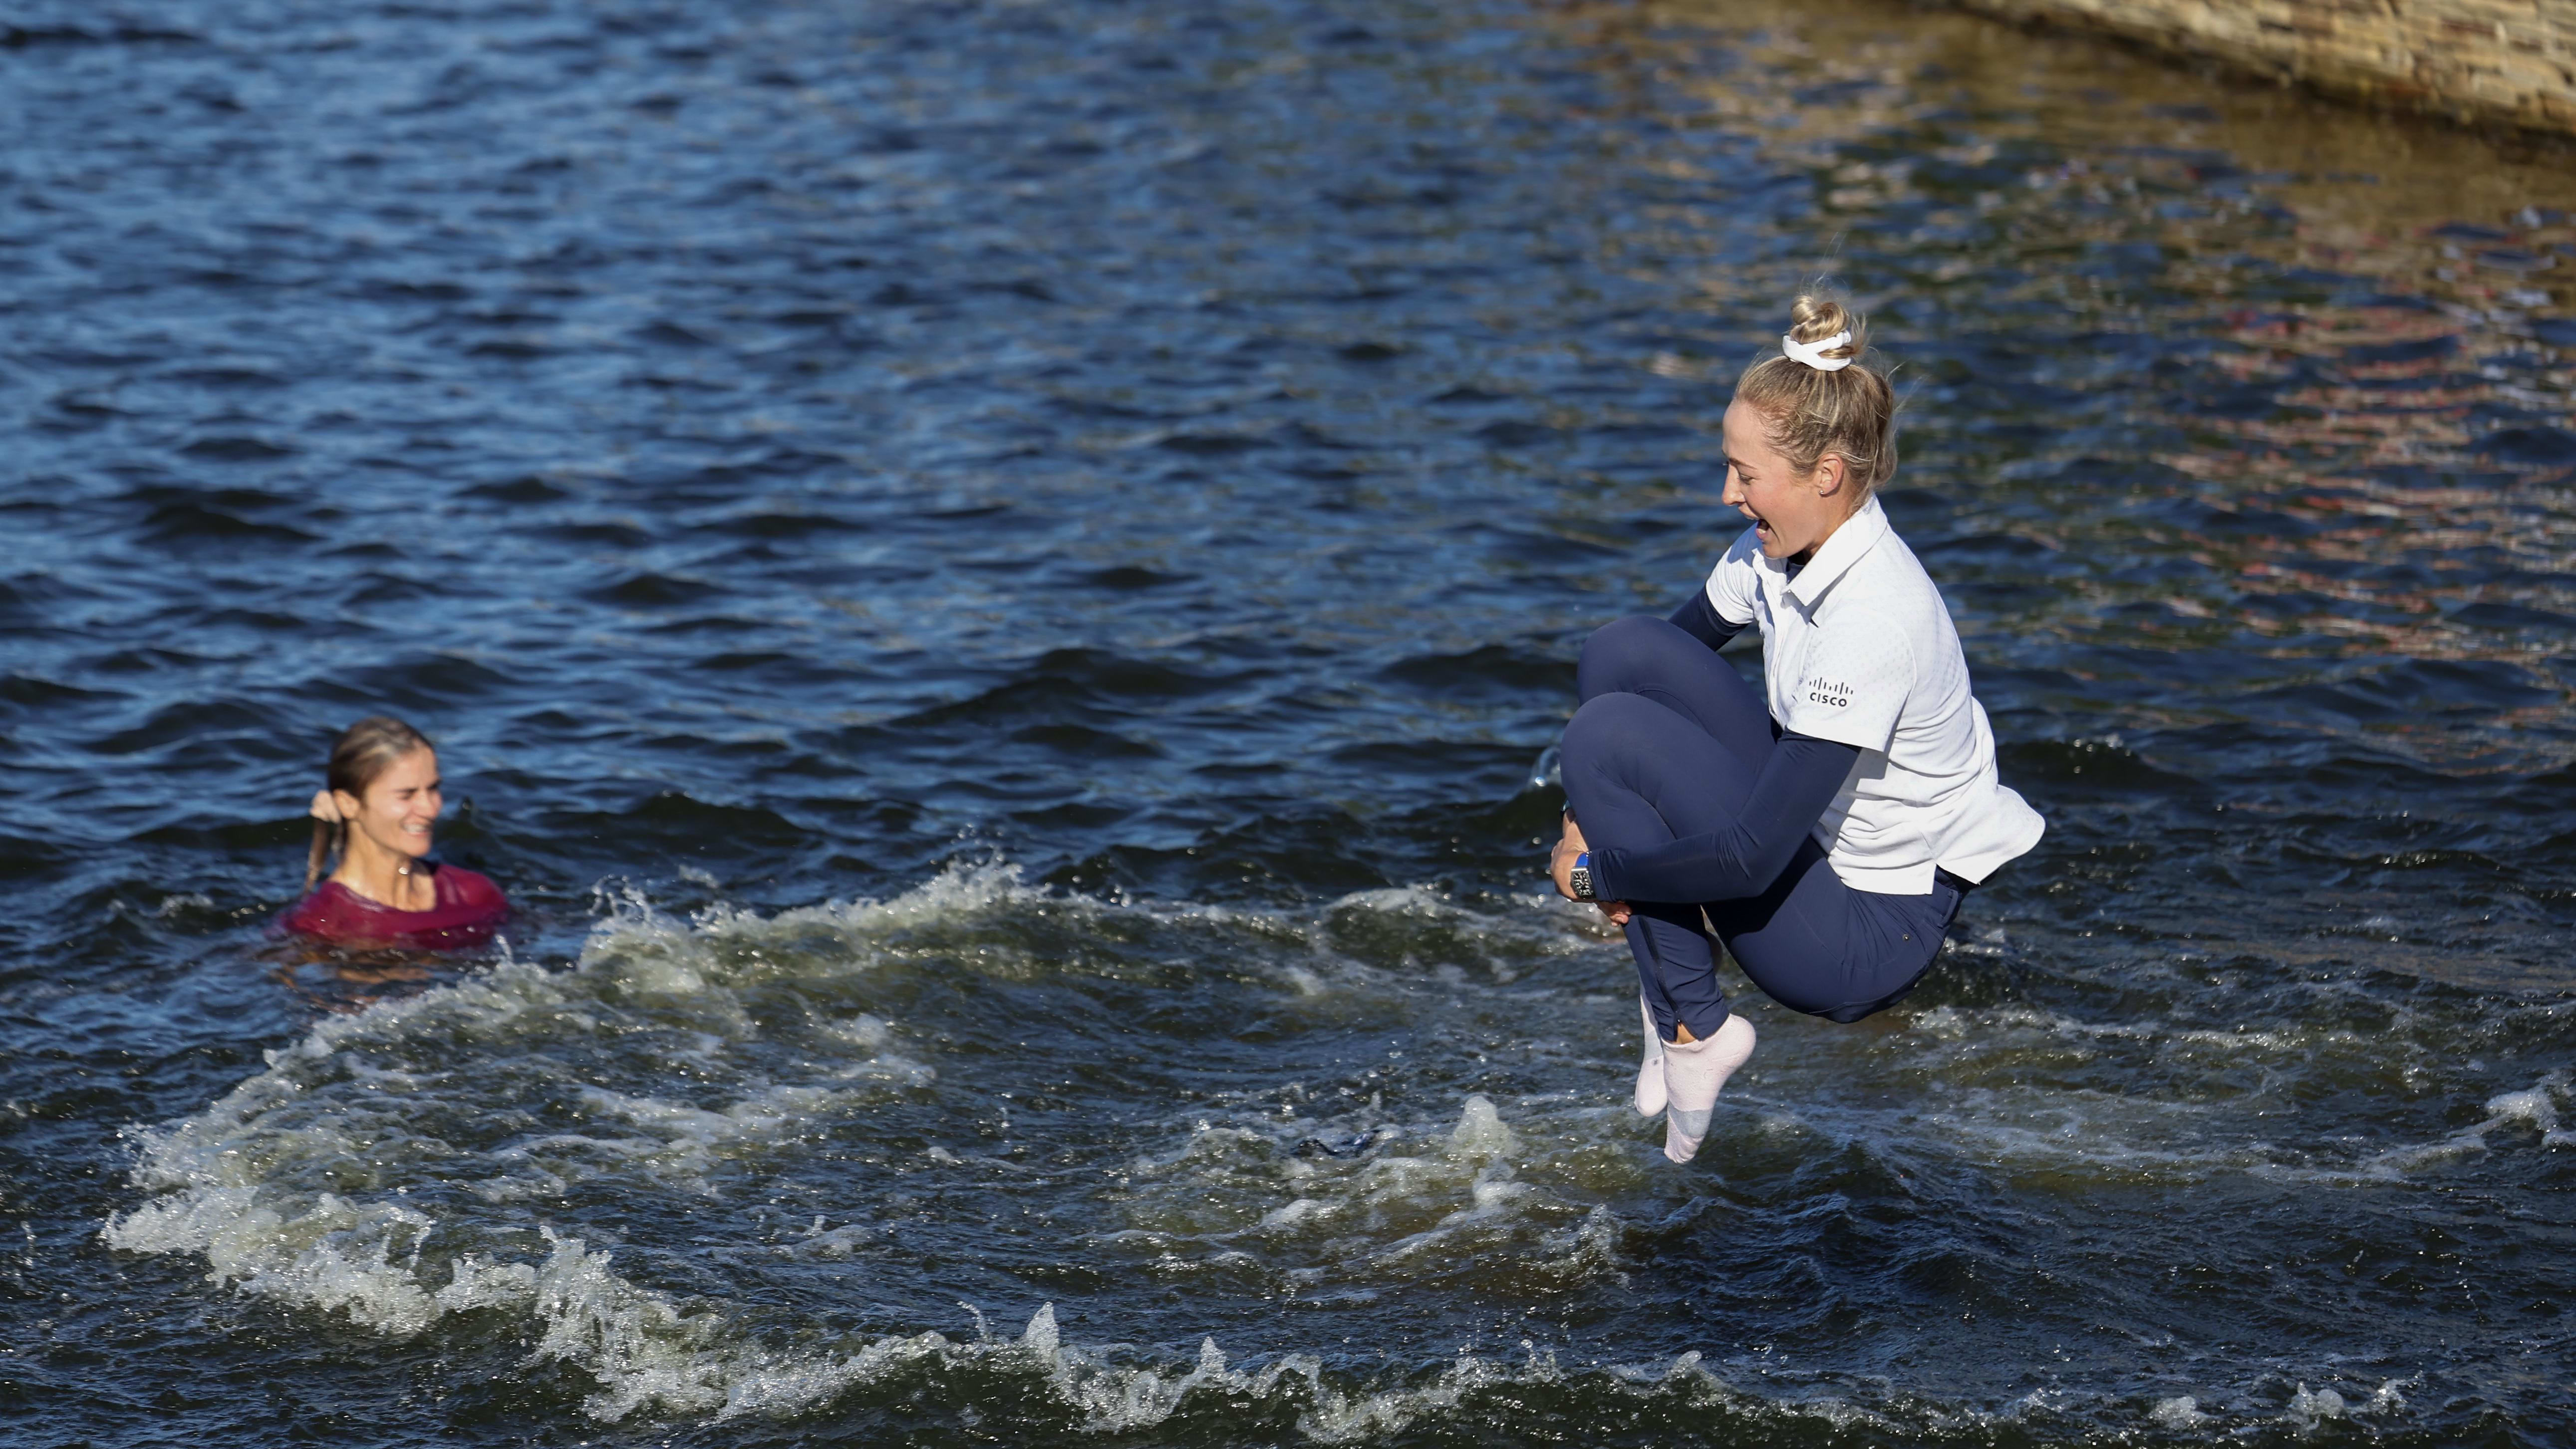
(1699,618)
(1797,783)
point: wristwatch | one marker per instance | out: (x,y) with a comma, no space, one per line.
(1579,879)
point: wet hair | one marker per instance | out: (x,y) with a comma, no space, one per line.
(1850,412)
(364,751)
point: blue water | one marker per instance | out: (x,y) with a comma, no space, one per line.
(989,578)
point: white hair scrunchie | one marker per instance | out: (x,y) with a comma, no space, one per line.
(1813,353)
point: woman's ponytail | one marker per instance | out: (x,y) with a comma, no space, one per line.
(326,840)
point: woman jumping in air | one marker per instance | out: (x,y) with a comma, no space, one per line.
(1828,831)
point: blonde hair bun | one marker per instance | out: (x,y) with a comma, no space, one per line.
(1848,410)
(1814,319)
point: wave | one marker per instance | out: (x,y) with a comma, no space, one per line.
(348,1177)
(677,1166)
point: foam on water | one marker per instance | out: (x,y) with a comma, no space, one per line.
(537,1153)
(325,1180)
(2182,1411)
(240,1181)
(2534,1108)
(2015,1085)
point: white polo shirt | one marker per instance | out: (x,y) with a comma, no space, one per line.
(1858,648)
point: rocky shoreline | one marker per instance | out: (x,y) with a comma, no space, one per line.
(2507,61)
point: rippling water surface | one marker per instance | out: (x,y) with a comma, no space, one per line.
(989,575)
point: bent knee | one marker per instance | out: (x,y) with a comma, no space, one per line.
(1605,724)
(1622,654)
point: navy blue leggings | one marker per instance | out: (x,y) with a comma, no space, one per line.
(1668,743)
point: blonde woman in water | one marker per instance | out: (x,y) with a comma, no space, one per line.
(1826,827)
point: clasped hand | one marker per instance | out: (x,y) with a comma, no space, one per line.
(1561,865)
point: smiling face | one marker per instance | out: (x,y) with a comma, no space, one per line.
(1793,513)
(401,806)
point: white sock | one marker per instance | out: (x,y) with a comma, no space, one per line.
(1693,1075)
(1650,1072)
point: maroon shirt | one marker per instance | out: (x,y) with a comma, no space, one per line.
(469,909)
